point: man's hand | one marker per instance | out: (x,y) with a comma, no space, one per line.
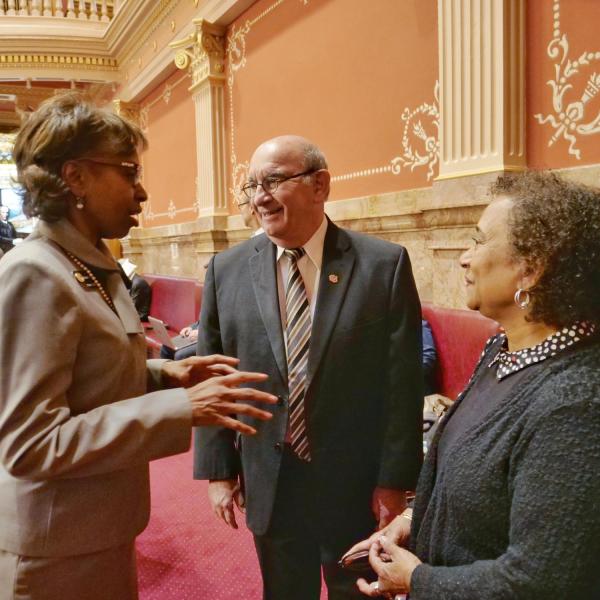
(196,369)
(386,504)
(222,494)
(216,399)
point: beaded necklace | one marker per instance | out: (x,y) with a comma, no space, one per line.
(85,281)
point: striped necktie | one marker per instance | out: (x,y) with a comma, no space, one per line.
(298,327)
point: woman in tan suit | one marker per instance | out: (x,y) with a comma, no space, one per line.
(81,411)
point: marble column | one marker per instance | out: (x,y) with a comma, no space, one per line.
(482,95)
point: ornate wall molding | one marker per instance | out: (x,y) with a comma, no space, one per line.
(420,145)
(570,117)
(433,236)
(482,85)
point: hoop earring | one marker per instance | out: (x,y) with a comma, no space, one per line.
(79,204)
(522,298)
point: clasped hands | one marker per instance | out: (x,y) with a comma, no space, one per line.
(392,563)
(212,385)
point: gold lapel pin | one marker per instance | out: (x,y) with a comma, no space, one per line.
(333,278)
(79,276)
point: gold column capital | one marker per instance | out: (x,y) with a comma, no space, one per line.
(202,52)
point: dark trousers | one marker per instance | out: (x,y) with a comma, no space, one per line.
(295,548)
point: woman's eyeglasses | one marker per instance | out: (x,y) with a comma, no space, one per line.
(132,170)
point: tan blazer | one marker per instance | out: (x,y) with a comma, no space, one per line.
(77,428)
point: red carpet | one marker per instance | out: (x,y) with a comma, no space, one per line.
(186,553)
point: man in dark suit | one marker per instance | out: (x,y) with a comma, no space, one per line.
(139,289)
(8,233)
(333,318)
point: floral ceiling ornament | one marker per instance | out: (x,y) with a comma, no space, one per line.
(569,118)
(427,152)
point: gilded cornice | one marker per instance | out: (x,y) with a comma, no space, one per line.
(62,61)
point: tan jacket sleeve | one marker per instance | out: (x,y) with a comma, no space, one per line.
(50,427)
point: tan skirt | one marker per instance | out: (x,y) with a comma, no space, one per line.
(109,574)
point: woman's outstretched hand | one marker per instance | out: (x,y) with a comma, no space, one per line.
(196,369)
(215,400)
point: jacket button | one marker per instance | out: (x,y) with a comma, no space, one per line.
(278,446)
(280,400)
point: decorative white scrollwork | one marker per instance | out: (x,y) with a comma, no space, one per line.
(569,118)
(239,175)
(427,152)
(236,50)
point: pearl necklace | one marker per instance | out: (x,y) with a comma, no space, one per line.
(81,279)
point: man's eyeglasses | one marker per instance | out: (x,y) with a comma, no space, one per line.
(270,183)
(132,170)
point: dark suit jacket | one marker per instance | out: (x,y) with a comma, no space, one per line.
(364,396)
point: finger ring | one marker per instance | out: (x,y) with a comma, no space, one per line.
(375,585)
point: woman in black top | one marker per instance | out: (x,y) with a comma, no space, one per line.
(507,502)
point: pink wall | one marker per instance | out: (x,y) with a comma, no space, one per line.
(170,162)
(351,75)
(341,73)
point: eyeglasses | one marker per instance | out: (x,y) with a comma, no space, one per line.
(270,183)
(132,170)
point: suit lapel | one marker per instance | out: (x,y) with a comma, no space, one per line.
(264,281)
(336,270)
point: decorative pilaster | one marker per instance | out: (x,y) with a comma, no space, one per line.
(128,110)
(203,53)
(482,86)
